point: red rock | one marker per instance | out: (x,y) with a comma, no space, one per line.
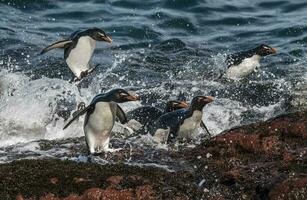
(72,197)
(249,142)
(115,180)
(112,194)
(145,192)
(93,194)
(49,196)
(19,197)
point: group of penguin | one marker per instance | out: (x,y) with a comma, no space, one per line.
(178,120)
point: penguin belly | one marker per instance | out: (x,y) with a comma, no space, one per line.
(80,56)
(246,67)
(99,126)
(190,124)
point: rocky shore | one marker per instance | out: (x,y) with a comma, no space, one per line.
(266,160)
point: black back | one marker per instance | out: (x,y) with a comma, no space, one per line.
(171,120)
(74,37)
(237,58)
(145,115)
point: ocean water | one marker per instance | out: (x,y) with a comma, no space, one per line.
(160,50)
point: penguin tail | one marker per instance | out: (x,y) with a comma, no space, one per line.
(58,44)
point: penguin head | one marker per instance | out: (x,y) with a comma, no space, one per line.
(264,50)
(121,96)
(199,102)
(175,105)
(99,35)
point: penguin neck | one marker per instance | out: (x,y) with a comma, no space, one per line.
(168,109)
(195,108)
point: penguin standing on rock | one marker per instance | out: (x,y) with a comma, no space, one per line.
(244,63)
(79,48)
(146,115)
(180,123)
(100,118)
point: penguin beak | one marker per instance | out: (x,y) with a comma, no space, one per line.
(133,98)
(209,99)
(273,50)
(183,104)
(107,39)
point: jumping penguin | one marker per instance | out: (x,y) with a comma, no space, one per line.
(244,63)
(100,118)
(180,123)
(79,49)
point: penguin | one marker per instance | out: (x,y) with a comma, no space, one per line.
(147,115)
(244,63)
(79,49)
(100,118)
(180,123)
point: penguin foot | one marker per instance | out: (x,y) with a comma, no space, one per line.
(112,150)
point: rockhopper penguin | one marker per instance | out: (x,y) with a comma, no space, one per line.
(79,49)
(180,123)
(147,115)
(100,118)
(244,63)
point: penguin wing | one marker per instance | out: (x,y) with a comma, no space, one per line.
(120,114)
(233,59)
(58,44)
(77,115)
(237,58)
(202,125)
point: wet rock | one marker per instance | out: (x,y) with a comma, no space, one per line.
(145,192)
(266,160)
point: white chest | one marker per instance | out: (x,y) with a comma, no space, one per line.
(102,119)
(246,67)
(190,124)
(80,56)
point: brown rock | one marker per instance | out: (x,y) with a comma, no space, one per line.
(49,196)
(112,194)
(249,142)
(114,180)
(93,194)
(145,192)
(72,197)
(19,197)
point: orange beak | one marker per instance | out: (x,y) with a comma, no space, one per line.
(209,99)
(274,50)
(133,98)
(107,39)
(183,104)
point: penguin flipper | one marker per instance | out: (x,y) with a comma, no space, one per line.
(202,125)
(120,114)
(58,44)
(77,115)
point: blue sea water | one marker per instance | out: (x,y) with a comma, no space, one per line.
(160,50)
